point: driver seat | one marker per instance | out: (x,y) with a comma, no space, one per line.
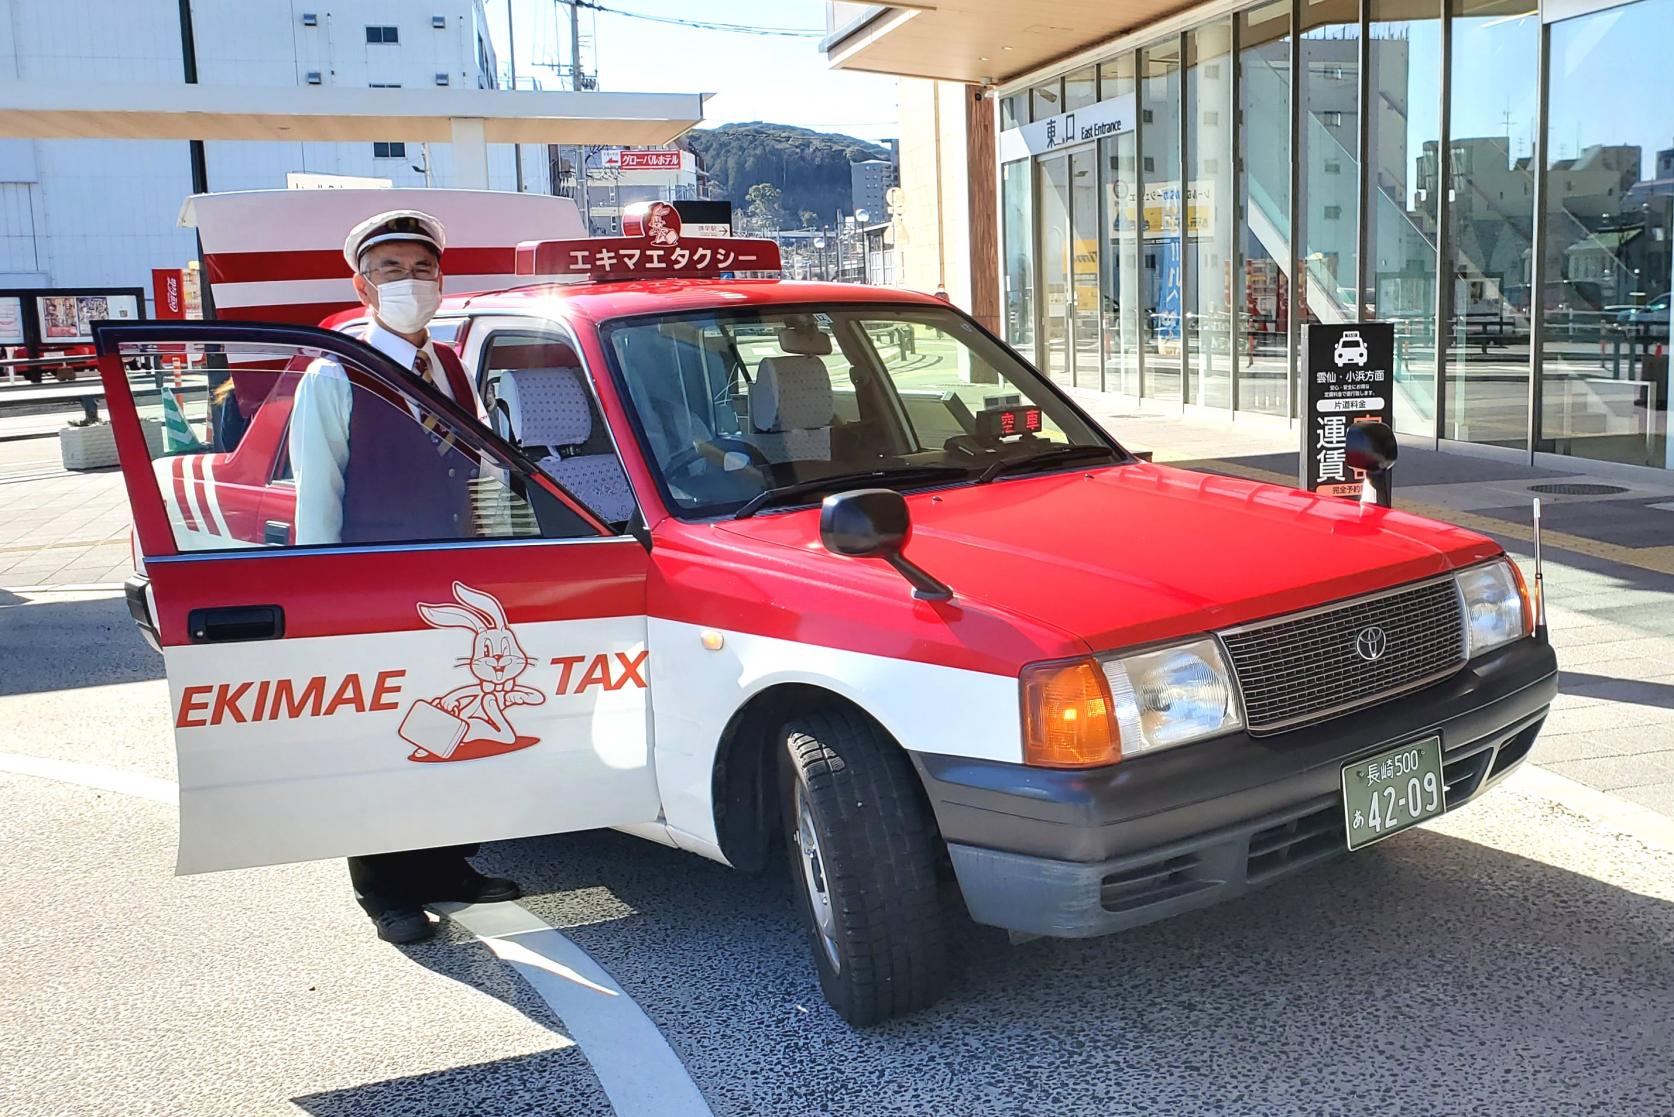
(792,408)
(548,412)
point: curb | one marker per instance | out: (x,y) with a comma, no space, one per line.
(1609,811)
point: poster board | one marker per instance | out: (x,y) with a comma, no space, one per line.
(11,320)
(67,319)
(1349,377)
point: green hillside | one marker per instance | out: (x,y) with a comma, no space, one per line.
(811,169)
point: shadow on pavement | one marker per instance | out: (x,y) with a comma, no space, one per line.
(1638,692)
(49,644)
(542,1083)
(1428,974)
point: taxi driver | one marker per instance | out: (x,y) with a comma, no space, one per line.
(371,470)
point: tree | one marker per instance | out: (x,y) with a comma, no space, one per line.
(809,219)
(811,168)
(764,208)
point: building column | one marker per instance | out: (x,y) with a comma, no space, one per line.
(983,206)
(470,153)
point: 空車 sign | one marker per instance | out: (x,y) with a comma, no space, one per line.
(1349,371)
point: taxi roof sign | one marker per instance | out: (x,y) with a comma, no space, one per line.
(659,252)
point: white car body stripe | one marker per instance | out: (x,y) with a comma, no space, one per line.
(211,498)
(194,494)
(327,292)
(695,692)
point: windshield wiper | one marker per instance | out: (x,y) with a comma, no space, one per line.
(1055,456)
(787,493)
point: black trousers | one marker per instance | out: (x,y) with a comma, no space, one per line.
(408,879)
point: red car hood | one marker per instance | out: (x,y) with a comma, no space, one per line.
(1131,554)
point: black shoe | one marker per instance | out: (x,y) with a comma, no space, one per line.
(474,888)
(403,926)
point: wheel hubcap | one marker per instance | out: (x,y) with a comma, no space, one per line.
(813,876)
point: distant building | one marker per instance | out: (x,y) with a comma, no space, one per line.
(103,212)
(869,181)
(619,177)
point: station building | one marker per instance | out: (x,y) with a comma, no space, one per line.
(99,212)
(1153,202)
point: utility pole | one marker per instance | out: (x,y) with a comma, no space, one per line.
(200,165)
(511,52)
(189,61)
(583,200)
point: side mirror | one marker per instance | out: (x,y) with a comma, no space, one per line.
(874,523)
(1371,448)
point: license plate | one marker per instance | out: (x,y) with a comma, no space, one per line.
(1385,794)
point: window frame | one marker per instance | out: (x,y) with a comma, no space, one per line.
(150,516)
(556,330)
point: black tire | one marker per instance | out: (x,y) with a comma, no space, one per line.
(882,949)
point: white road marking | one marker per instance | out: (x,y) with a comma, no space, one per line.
(91,775)
(640,1073)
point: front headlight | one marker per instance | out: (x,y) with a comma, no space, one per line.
(1496,606)
(1172,696)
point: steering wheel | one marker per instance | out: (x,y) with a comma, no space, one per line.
(715,451)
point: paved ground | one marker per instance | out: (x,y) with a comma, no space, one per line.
(1514,958)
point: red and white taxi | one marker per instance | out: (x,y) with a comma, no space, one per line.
(743,562)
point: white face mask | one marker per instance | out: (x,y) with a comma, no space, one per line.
(407,305)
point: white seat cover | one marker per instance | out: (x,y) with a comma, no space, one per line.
(549,408)
(791,408)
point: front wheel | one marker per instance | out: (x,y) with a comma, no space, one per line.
(863,850)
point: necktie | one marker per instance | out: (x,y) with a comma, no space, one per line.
(474,493)
(421,365)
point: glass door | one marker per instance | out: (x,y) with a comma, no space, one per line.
(1084,276)
(1056,301)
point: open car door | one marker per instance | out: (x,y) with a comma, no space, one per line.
(383,627)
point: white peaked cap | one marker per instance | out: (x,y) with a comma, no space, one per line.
(393,225)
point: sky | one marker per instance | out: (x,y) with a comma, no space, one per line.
(780,79)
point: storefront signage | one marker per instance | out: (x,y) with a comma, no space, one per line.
(1083,125)
(649,161)
(168,293)
(1349,374)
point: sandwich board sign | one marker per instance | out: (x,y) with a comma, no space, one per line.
(1349,377)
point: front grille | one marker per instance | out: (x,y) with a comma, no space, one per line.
(1306,667)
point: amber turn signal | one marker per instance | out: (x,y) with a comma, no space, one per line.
(1523,592)
(1068,717)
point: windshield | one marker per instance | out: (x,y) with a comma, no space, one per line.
(734,406)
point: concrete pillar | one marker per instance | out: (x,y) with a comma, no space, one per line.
(470,153)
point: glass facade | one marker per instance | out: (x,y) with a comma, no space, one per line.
(1496,181)
(1162,342)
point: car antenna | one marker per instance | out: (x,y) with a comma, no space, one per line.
(1539,579)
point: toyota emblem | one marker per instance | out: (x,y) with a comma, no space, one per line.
(1370,643)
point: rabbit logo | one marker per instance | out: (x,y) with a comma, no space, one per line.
(473,721)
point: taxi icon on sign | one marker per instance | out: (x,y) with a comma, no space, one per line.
(1350,350)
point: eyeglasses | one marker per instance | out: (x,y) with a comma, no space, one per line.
(391,273)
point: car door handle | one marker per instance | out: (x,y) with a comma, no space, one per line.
(234,623)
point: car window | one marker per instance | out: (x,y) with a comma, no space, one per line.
(537,396)
(256,445)
(731,404)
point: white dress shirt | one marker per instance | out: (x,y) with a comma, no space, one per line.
(319,434)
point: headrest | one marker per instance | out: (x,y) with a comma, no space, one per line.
(546,354)
(791,393)
(807,341)
(546,406)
